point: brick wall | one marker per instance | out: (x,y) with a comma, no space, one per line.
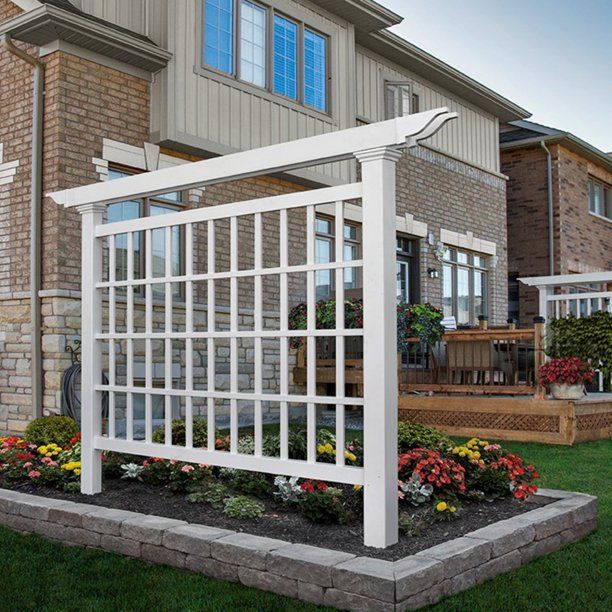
(581,240)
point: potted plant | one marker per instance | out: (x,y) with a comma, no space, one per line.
(566,377)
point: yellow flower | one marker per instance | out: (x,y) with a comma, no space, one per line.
(350,456)
(329,448)
(441,506)
(77,472)
(453,509)
(320,448)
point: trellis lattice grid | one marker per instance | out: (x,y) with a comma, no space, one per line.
(200,229)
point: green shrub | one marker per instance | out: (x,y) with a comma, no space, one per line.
(242,507)
(589,338)
(250,483)
(414,435)
(213,494)
(200,433)
(324,506)
(57,429)
(296,442)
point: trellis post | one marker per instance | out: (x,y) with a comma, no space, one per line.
(379,346)
(91,360)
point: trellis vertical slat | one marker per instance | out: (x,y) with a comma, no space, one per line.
(340,387)
(111,330)
(189,329)
(129,319)
(257,327)
(311,347)
(234,330)
(148,341)
(211,326)
(168,329)
(284,341)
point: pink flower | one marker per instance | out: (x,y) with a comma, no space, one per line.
(203,466)
(187,468)
(172,462)
(34,474)
(27,464)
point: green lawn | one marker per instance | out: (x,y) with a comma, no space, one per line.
(38,575)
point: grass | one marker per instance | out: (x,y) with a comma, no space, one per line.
(38,575)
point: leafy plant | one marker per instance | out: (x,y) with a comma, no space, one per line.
(214,494)
(46,430)
(132,471)
(414,490)
(414,435)
(411,525)
(324,505)
(242,507)
(200,433)
(251,483)
(589,338)
(289,490)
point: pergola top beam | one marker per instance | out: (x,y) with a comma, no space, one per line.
(283,157)
(567,279)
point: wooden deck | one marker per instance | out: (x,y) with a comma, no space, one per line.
(525,419)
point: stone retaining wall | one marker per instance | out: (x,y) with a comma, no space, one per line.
(317,575)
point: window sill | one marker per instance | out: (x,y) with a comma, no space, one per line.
(601,217)
(263,93)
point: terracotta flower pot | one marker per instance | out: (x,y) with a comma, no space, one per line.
(566,392)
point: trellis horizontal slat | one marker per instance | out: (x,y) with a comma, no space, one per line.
(263,333)
(287,201)
(158,280)
(269,465)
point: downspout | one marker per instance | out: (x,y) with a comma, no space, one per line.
(551,229)
(35,221)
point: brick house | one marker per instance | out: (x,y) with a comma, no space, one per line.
(533,157)
(138,85)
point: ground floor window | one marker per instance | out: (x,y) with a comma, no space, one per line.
(464,286)
(407,269)
(134,209)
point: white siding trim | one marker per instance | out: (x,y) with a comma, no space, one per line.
(468,241)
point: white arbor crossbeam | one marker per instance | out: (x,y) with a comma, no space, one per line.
(378,148)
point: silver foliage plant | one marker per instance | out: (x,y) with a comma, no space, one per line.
(132,471)
(415,491)
(288,488)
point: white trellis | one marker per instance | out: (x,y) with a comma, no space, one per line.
(378,148)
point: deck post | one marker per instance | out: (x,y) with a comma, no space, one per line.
(91,360)
(379,346)
(539,356)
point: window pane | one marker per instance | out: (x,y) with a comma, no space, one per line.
(463,296)
(350,274)
(590,190)
(315,70)
(608,202)
(403,280)
(398,100)
(479,293)
(462,257)
(323,250)
(597,198)
(350,232)
(285,57)
(253,43)
(323,226)
(158,248)
(219,34)
(447,291)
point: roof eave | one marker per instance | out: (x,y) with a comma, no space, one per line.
(402,52)
(571,142)
(47,23)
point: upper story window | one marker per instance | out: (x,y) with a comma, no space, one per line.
(257,45)
(464,286)
(147,207)
(400,100)
(600,198)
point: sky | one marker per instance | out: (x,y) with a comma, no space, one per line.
(552,57)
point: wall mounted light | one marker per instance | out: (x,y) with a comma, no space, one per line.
(433,273)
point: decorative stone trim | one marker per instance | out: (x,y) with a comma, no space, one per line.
(7,169)
(468,241)
(317,575)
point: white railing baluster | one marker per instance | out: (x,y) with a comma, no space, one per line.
(211,326)
(189,341)
(257,327)
(284,343)
(234,336)
(311,347)
(129,356)
(111,330)
(340,387)
(148,341)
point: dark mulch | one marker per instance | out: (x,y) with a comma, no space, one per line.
(278,522)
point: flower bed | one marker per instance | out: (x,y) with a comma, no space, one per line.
(440,486)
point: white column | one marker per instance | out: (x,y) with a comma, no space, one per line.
(91,360)
(379,346)
(545,291)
